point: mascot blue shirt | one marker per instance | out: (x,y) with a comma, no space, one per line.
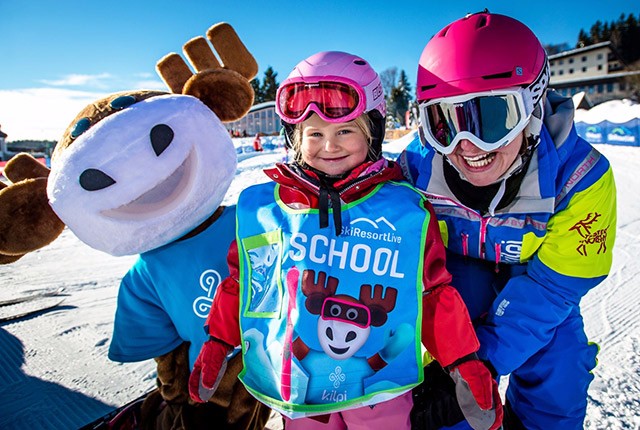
(165,297)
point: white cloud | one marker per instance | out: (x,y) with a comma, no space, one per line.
(150,84)
(41,113)
(76,80)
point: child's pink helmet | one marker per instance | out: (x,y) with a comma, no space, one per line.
(482,52)
(345,70)
(342,67)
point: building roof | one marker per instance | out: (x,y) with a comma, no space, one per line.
(585,80)
(580,50)
(263,105)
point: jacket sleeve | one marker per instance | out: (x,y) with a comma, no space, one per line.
(447,332)
(223,321)
(571,258)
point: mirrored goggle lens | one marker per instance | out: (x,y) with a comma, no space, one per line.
(490,118)
(335,100)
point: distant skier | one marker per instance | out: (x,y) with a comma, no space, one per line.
(257,143)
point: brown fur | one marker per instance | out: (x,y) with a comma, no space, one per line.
(200,55)
(225,92)
(233,53)
(169,407)
(225,87)
(27,222)
(24,166)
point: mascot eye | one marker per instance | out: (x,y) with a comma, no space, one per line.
(122,102)
(352,314)
(94,180)
(80,127)
(161,136)
(335,310)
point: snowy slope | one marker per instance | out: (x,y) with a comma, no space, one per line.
(56,375)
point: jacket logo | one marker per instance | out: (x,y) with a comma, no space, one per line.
(583,228)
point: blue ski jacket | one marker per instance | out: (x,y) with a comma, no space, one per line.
(556,236)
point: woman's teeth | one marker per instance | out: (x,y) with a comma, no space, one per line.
(479,160)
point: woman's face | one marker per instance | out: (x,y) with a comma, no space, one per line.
(332,148)
(482,168)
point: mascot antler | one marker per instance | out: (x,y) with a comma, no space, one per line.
(213,81)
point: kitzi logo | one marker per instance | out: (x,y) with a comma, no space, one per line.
(584,227)
(209,281)
(366,228)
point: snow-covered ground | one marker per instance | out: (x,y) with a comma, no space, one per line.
(55,373)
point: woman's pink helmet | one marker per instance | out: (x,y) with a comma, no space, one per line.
(482,52)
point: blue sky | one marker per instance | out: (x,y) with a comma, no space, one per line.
(59,55)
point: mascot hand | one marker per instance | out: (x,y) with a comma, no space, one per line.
(477,394)
(208,370)
(396,341)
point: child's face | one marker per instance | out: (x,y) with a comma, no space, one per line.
(332,148)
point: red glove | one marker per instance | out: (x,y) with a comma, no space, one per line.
(477,394)
(208,370)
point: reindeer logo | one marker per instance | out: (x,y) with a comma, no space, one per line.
(583,228)
(344,326)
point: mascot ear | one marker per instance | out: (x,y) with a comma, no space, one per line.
(27,222)
(223,86)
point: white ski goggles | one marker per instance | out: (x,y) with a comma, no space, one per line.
(489,120)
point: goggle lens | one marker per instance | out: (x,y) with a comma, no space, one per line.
(349,312)
(335,100)
(489,118)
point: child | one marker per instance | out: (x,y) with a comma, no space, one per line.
(337,272)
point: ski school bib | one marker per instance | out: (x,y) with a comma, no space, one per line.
(331,322)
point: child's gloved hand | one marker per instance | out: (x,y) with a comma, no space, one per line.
(208,370)
(477,394)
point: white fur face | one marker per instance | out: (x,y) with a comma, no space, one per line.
(144,176)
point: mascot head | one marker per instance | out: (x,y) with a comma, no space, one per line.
(138,169)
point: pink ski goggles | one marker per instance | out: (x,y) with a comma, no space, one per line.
(334,100)
(489,120)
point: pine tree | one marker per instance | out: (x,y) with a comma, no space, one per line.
(257,90)
(399,99)
(583,39)
(388,79)
(269,85)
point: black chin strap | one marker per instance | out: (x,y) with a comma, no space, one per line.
(329,198)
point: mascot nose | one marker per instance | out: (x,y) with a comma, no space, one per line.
(94,180)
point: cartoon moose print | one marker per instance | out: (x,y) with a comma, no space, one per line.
(344,326)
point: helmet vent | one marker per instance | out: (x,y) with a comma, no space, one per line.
(481,22)
(444,31)
(360,62)
(427,87)
(498,76)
